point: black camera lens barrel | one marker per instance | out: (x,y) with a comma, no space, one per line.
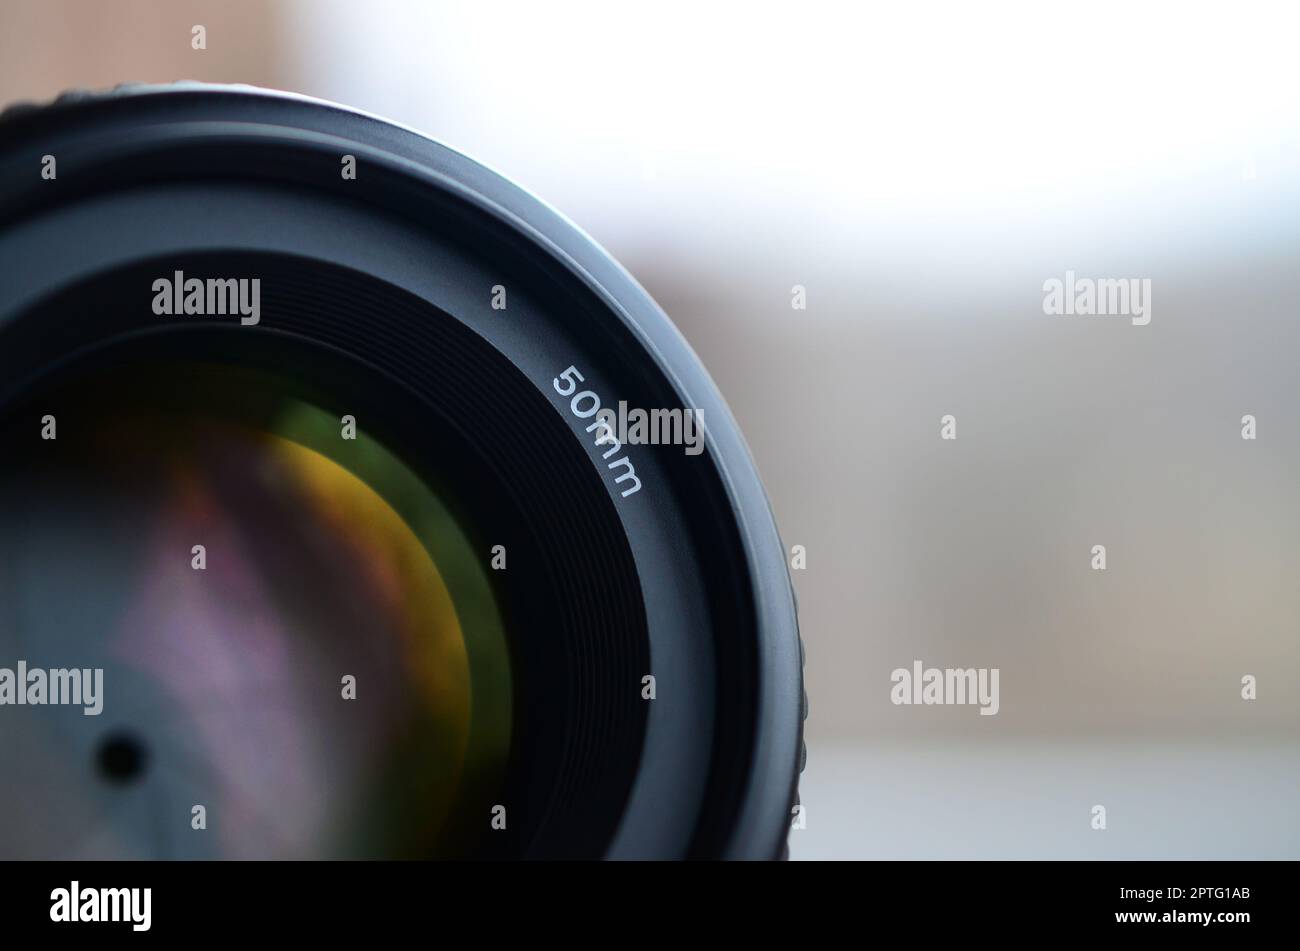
(381,294)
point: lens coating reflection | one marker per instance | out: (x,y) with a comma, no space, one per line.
(327,675)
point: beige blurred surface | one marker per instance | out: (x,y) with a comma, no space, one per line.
(922,173)
(1178,800)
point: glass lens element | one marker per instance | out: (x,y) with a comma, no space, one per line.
(284,613)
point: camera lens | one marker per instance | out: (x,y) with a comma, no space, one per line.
(354,504)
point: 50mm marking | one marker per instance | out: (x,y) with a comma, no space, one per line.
(585,404)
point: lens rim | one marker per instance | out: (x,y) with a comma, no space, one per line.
(757,816)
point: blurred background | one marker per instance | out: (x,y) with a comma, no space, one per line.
(920,170)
